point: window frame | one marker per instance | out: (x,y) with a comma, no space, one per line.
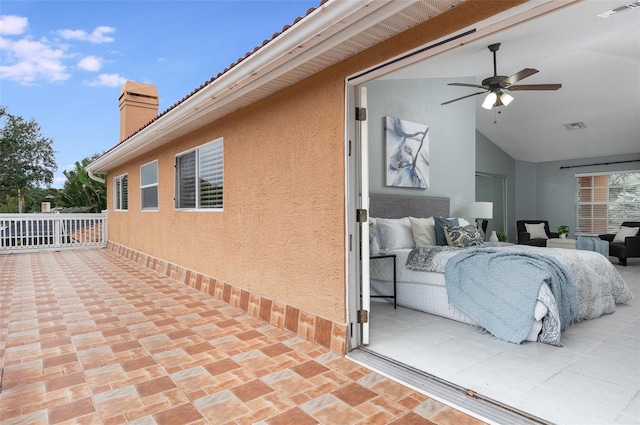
(217,143)
(598,208)
(149,186)
(117,194)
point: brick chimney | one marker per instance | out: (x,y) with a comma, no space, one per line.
(138,105)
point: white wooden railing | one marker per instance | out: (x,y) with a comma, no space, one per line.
(51,231)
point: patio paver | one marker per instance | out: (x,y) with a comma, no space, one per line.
(90,337)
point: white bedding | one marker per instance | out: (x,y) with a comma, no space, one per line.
(426,291)
(599,285)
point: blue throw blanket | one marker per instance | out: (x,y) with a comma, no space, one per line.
(499,290)
(590,243)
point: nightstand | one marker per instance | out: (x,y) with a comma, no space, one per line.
(561,243)
(393,257)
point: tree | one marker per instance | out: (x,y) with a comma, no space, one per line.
(34,197)
(81,191)
(27,159)
(31,199)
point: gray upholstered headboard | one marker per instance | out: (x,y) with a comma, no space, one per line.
(398,206)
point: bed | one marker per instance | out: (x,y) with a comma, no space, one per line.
(423,285)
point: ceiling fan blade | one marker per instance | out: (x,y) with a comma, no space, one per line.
(520,75)
(468,85)
(535,87)
(463,97)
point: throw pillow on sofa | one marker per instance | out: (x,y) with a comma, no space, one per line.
(625,232)
(536,231)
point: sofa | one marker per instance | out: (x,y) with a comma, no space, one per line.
(625,246)
(524,238)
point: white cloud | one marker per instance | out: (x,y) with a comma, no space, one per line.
(97,36)
(13,25)
(107,80)
(27,61)
(90,63)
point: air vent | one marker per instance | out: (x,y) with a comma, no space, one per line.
(626,7)
(575,126)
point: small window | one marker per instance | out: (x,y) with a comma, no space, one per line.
(199,177)
(149,186)
(121,193)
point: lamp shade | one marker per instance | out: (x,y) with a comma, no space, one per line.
(489,100)
(481,210)
(506,98)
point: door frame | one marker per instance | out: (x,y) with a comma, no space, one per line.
(492,25)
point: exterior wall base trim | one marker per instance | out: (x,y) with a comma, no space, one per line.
(313,328)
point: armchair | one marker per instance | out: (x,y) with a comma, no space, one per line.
(630,248)
(524,238)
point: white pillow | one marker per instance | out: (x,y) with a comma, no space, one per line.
(395,233)
(462,222)
(625,232)
(424,231)
(536,231)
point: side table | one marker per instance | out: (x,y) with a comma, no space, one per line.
(392,256)
(561,243)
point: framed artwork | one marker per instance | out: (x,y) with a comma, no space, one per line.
(407,153)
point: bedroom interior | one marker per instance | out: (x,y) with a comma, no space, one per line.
(518,145)
(426,333)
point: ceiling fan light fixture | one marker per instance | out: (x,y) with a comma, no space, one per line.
(506,99)
(494,86)
(489,100)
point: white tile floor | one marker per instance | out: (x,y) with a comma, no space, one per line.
(593,379)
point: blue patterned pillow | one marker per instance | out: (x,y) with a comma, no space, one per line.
(441,239)
(463,236)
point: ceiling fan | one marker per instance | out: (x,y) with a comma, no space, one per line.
(496,84)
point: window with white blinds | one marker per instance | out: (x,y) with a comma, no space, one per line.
(605,200)
(121,192)
(200,177)
(149,186)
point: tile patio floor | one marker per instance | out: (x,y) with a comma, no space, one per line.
(89,337)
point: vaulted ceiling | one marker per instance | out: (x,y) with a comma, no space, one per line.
(597,61)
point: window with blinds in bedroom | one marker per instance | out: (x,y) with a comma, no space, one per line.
(200,177)
(605,200)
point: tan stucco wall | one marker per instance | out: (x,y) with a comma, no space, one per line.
(282,231)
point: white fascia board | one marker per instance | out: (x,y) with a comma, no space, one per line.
(325,43)
(304,40)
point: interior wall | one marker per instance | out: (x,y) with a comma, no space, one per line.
(490,159)
(452,149)
(525,191)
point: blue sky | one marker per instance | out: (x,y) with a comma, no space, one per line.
(63,63)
